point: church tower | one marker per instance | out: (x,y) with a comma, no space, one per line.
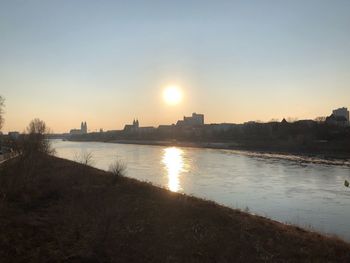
(83,127)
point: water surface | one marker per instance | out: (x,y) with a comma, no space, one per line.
(290,190)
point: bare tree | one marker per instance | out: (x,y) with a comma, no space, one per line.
(35,141)
(37,126)
(2,105)
(320,119)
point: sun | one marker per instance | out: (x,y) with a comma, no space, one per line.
(172,95)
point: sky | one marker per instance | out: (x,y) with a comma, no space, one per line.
(107,62)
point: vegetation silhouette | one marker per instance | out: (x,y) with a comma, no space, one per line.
(300,137)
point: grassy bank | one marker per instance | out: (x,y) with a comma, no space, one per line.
(54,210)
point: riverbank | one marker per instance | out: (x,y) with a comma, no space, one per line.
(299,156)
(54,210)
(6,156)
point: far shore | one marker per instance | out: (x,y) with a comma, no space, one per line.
(301,156)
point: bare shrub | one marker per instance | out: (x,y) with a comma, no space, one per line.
(85,158)
(117,169)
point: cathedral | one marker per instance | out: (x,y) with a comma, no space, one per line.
(82,130)
(132,127)
(83,127)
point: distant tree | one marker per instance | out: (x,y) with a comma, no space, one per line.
(320,119)
(37,127)
(35,141)
(2,105)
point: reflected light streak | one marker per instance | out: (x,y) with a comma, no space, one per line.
(174,164)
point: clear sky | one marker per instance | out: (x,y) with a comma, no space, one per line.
(106,62)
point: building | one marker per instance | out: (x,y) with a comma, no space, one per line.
(135,128)
(220,127)
(306,123)
(82,130)
(83,127)
(163,127)
(132,127)
(339,117)
(194,120)
(341,112)
(146,129)
(337,120)
(13,135)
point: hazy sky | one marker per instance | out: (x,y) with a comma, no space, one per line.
(106,62)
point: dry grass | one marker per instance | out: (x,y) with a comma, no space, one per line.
(68,212)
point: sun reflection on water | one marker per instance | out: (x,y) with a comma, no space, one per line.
(174,164)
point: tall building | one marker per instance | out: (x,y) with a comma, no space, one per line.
(339,117)
(341,112)
(194,120)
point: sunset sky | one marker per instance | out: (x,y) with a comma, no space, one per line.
(106,62)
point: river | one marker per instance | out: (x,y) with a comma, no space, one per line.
(284,188)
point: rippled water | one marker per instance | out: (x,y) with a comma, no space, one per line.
(284,188)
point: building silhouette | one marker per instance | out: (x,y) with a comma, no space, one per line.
(135,128)
(83,127)
(339,117)
(341,112)
(194,120)
(132,127)
(82,130)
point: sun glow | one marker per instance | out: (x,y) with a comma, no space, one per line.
(172,95)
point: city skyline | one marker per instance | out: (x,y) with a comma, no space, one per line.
(107,62)
(198,120)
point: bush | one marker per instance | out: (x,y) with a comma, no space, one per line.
(117,169)
(85,158)
(21,181)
